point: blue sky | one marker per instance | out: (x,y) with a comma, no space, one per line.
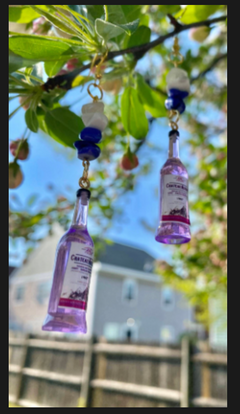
(49,162)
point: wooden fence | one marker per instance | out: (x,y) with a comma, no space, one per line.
(53,372)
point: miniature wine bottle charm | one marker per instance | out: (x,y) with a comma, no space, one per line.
(174,222)
(174,214)
(74,255)
(71,275)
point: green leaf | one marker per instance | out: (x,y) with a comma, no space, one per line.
(169,9)
(109,30)
(52,68)
(22,14)
(43,10)
(191,14)
(141,36)
(93,12)
(63,21)
(116,14)
(17,62)
(133,114)
(31,120)
(131,12)
(71,42)
(62,125)
(40,48)
(144,20)
(152,101)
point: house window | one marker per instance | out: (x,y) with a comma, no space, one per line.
(111,331)
(167,334)
(167,298)
(129,331)
(129,292)
(43,291)
(20,290)
(148,267)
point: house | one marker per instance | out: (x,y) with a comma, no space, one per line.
(127,301)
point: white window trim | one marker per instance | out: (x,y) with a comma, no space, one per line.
(132,302)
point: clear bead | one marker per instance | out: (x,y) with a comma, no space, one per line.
(93,107)
(178,79)
(95,120)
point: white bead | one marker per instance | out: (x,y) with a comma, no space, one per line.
(93,107)
(178,79)
(95,120)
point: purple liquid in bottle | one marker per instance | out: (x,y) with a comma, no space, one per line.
(174,225)
(71,276)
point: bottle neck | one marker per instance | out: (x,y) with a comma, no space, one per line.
(173,149)
(80,212)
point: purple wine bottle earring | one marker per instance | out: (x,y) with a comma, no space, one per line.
(174,222)
(74,256)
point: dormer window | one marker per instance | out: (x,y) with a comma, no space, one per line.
(129,292)
(167,298)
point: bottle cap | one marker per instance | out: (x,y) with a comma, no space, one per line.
(173,132)
(83,191)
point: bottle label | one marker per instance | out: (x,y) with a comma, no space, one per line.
(77,277)
(174,203)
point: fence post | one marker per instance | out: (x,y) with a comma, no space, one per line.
(21,366)
(185,368)
(86,374)
(205,375)
(101,363)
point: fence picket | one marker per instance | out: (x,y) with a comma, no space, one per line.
(111,383)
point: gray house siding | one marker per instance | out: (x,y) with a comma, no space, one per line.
(107,312)
(148,313)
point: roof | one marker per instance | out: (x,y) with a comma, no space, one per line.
(10,270)
(41,260)
(126,256)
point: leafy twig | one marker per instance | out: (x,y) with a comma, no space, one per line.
(68,78)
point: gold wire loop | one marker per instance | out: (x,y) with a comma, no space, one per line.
(174,61)
(98,75)
(173,123)
(175,53)
(95,98)
(84,181)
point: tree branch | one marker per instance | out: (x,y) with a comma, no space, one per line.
(209,68)
(64,81)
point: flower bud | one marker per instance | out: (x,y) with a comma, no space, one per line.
(113,85)
(15,175)
(129,161)
(199,34)
(72,64)
(24,150)
(37,27)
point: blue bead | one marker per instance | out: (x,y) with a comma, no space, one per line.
(91,134)
(87,150)
(177,93)
(175,103)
